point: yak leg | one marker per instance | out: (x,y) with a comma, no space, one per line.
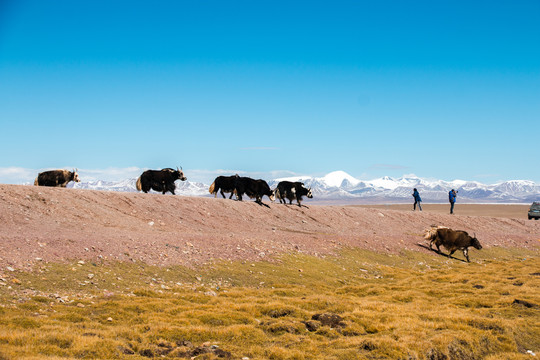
(466,253)
(222,193)
(451,253)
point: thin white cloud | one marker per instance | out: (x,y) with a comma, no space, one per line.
(17,175)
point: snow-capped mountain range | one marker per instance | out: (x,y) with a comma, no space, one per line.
(338,186)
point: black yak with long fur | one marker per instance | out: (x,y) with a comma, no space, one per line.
(56,178)
(160,180)
(452,240)
(292,191)
(255,189)
(223,184)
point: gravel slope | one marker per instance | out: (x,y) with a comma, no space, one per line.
(54,224)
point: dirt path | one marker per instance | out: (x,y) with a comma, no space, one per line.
(53,224)
(514,211)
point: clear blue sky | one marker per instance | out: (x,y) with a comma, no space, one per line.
(441,89)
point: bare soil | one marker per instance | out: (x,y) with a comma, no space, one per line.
(56,225)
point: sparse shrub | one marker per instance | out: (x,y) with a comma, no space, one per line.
(460,350)
(145,293)
(41,299)
(63,342)
(25,323)
(435,354)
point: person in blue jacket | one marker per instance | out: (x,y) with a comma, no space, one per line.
(452,195)
(417,200)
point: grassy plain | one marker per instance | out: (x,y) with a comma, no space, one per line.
(408,306)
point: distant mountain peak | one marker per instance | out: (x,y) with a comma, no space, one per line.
(336,179)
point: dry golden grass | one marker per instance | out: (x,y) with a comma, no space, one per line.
(407,306)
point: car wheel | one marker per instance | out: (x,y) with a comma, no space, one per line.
(530,217)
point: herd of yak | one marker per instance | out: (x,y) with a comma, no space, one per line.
(164,181)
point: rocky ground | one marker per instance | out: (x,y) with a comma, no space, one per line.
(54,224)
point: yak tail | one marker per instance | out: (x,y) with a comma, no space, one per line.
(212,187)
(431,233)
(138,184)
(36,182)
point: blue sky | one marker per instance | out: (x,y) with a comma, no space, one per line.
(446,89)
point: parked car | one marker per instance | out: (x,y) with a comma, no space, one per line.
(534,211)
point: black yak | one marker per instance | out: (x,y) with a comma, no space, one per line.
(291,190)
(160,180)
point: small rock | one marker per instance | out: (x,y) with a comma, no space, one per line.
(39,259)
(381,214)
(329,319)
(16,281)
(525,303)
(210,293)
(80,305)
(91,276)
(151,223)
(312,325)
(80,262)
(109,319)
(10,268)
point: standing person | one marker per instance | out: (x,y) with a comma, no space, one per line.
(417,200)
(452,195)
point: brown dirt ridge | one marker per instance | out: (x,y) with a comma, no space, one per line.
(56,225)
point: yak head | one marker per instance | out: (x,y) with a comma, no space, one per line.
(309,194)
(274,195)
(475,243)
(180,174)
(75,175)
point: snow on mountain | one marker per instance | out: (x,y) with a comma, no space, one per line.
(340,186)
(339,179)
(186,188)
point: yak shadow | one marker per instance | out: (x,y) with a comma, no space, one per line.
(440,253)
(300,206)
(263,204)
